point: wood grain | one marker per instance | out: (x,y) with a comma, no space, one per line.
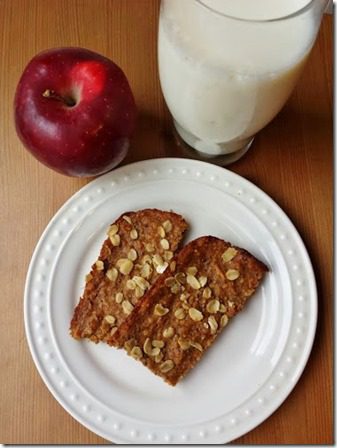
(291,160)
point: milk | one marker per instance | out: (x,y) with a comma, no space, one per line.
(224,79)
(256,9)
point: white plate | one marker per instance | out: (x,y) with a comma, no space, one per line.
(247,373)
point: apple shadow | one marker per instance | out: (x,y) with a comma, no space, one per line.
(156,137)
(151,139)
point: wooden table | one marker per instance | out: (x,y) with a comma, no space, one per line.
(291,160)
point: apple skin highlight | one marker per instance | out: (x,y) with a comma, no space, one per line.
(75,111)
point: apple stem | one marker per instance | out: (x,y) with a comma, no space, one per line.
(67,100)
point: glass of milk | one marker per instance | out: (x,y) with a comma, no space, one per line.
(228,66)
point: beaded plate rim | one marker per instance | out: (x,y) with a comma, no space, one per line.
(117,428)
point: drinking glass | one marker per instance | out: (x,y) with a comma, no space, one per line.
(227,67)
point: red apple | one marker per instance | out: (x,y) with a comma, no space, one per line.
(74,111)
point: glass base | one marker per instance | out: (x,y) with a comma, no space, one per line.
(218,154)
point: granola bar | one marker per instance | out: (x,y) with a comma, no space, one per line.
(206,284)
(138,249)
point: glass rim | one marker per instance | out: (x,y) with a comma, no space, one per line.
(277,19)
